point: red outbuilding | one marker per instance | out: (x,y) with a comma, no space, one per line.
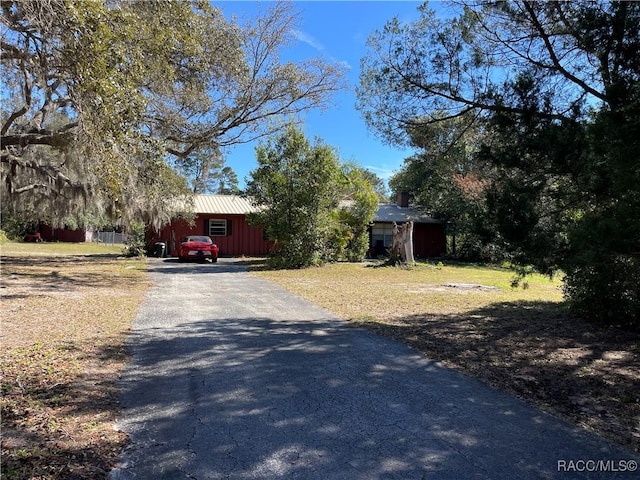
(224,219)
(50,234)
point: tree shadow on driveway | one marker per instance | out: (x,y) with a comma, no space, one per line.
(588,374)
(172,266)
(258,398)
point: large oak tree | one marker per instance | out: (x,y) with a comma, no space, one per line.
(98,96)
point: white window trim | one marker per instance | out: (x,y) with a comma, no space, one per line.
(220,225)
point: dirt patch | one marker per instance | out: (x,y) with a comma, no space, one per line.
(64,323)
(448,287)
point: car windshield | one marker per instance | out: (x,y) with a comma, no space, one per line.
(198,239)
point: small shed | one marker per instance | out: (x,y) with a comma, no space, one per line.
(224,219)
(65,234)
(429,236)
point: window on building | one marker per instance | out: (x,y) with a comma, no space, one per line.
(382,232)
(219,227)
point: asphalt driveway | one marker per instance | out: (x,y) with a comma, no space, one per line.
(233,377)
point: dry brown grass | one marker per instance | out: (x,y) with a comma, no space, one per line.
(522,341)
(65,315)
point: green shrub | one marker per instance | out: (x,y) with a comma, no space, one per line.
(135,244)
(606,292)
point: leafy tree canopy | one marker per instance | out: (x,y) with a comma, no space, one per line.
(581,54)
(446,179)
(361,191)
(314,209)
(206,172)
(97,96)
(555,90)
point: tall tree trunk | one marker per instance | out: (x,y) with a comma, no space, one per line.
(402,246)
(407,239)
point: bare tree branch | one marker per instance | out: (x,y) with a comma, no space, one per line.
(28,188)
(557,65)
(38,137)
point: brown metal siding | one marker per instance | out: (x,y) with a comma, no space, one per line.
(429,240)
(243,240)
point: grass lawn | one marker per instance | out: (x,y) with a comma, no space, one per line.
(66,309)
(56,249)
(468,317)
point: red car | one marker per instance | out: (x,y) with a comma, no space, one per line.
(195,247)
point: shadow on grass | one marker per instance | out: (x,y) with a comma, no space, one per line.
(254,397)
(586,373)
(57,423)
(62,273)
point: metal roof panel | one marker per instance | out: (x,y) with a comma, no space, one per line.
(237,205)
(390,212)
(223,204)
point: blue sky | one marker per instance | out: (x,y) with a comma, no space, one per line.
(338,31)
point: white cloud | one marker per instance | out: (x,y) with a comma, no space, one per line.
(314,43)
(304,37)
(345,64)
(382,172)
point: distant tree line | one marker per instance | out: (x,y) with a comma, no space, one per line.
(526,120)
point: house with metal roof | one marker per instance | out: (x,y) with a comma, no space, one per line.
(429,238)
(223,204)
(224,219)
